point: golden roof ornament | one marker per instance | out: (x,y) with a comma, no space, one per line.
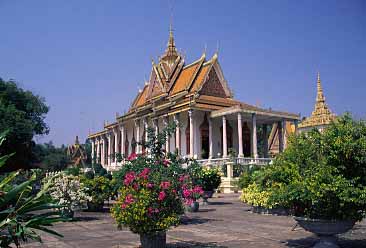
(321,115)
(171,52)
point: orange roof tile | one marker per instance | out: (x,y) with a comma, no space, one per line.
(199,79)
(184,78)
(142,97)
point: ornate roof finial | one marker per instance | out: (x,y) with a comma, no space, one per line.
(319,96)
(77,140)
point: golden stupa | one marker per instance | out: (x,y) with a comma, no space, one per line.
(322,115)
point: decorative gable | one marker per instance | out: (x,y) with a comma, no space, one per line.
(213,86)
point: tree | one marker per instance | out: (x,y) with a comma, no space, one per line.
(21,113)
(49,157)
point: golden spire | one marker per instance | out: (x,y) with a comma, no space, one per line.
(321,115)
(319,96)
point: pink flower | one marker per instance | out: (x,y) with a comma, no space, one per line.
(129,177)
(136,186)
(129,199)
(144,173)
(132,156)
(183,178)
(198,190)
(123,205)
(186,193)
(166,163)
(174,191)
(149,185)
(161,196)
(188,201)
(165,185)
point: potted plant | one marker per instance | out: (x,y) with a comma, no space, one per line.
(191,196)
(151,195)
(98,189)
(327,187)
(210,180)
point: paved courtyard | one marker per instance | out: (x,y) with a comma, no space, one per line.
(225,222)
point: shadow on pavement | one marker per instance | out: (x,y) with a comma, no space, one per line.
(219,203)
(191,244)
(185,220)
(342,242)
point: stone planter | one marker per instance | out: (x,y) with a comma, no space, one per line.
(67,213)
(153,240)
(206,195)
(325,230)
(95,207)
(273,211)
(193,207)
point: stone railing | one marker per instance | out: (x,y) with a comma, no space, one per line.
(232,168)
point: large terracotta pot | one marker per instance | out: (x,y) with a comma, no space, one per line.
(193,207)
(153,240)
(325,230)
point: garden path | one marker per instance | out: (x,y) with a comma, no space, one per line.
(225,222)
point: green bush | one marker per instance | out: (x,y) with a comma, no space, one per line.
(320,175)
(98,188)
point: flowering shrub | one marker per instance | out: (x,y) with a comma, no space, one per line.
(68,191)
(152,189)
(147,203)
(98,189)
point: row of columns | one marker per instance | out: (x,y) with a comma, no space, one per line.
(100,142)
(104,153)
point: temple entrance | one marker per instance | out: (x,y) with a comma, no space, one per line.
(205,142)
(246,140)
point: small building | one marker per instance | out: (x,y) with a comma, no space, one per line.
(198,99)
(322,116)
(76,154)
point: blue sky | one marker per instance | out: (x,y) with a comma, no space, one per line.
(88,57)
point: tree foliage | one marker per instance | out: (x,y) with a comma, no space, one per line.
(21,113)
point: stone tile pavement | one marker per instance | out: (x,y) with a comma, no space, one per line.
(225,222)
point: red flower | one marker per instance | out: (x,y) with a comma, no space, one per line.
(135,186)
(123,205)
(149,185)
(132,156)
(165,185)
(129,199)
(186,193)
(129,178)
(144,173)
(166,163)
(161,196)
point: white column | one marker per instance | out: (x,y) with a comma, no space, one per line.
(254,136)
(146,126)
(210,152)
(224,138)
(191,134)
(156,126)
(177,133)
(109,148)
(240,136)
(115,132)
(167,143)
(92,149)
(98,151)
(122,129)
(102,161)
(265,140)
(137,125)
(280,136)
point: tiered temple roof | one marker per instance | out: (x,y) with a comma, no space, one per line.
(321,115)
(175,87)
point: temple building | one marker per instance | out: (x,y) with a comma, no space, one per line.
(322,116)
(198,99)
(76,154)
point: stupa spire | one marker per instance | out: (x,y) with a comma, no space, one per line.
(319,96)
